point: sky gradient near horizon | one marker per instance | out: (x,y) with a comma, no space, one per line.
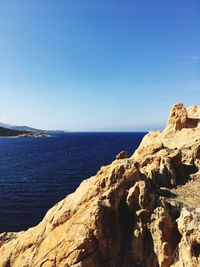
(108,65)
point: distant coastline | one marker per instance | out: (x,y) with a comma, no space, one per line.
(28,129)
(6,132)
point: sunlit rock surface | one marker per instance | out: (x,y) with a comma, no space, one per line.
(142,211)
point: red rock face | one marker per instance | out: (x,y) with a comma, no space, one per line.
(140,211)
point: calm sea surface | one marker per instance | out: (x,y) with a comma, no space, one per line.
(35,173)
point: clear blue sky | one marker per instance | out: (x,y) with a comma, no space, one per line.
(97,65)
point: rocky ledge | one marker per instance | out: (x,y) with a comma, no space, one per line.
(142,211)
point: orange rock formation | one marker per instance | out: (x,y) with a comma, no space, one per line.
(142,211)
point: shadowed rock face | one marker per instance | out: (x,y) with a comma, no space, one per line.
(135,212)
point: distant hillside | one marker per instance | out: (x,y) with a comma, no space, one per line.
(5,125)
(10,132)
(27,128)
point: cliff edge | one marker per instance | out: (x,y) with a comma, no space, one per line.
(142,211)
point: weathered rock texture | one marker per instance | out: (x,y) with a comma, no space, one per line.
(142,211)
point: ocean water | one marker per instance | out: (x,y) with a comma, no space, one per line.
(35,173)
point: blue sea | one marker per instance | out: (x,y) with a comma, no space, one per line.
(35,173)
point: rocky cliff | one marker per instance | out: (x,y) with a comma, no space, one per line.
(142,211)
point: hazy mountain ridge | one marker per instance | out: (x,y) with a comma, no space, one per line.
(27,128)
(6,132)
(11,132)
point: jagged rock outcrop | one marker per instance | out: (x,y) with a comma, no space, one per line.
(122,155)
(141,211)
